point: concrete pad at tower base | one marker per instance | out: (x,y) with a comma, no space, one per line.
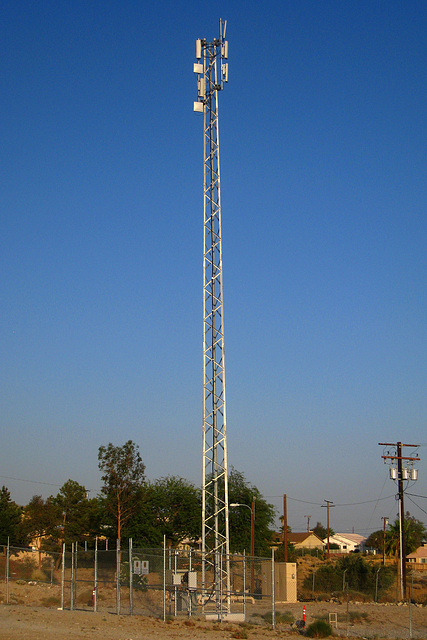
(226,617)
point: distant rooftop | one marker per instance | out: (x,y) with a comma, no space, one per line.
(353,537)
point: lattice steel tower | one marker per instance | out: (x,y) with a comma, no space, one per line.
(212,72)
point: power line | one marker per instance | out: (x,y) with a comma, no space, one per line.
(50,484)
(417,505)
(344,504)
(350,504)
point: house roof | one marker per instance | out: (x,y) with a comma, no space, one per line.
(354,538)
(298,538)
(421,552)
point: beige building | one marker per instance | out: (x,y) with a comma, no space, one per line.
(307,540)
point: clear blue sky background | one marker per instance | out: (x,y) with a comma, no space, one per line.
(323,160)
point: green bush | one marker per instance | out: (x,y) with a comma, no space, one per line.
(319,629)
(139,582)
(354,570)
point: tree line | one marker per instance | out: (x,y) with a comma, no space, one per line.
(415,534)
(130,506)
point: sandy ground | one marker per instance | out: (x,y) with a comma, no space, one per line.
(20,622)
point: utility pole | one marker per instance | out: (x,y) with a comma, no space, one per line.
(308,523)
(285,527)
(327,505)
(212,72)
(403,473)
(401,522)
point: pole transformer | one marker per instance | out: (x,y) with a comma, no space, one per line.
(212,72)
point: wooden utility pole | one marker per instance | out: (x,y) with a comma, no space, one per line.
(402,522)
(327,505)
(402,474)
(285,528)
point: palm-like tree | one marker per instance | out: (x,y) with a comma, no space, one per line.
(414,532)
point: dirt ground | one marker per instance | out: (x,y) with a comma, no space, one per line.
(30,621)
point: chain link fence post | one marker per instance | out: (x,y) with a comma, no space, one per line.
(273,595)
(164,578)
(76,546)
(7,569)
(118,558)
(63,576)
(95,595)
(244,584)
(72,578)
(130,578)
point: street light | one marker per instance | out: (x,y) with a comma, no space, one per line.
(343,578)
(252,510)
(385,523)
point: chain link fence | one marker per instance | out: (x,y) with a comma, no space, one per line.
(166,582)
(134,581)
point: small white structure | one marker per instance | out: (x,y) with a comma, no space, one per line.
(347,542)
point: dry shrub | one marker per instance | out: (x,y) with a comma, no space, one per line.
(51,601)
(38,575)
(357,616)
(85,597)
(281,618)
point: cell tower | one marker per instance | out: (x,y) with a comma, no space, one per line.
(212,72)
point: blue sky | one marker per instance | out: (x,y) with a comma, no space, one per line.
(323,161)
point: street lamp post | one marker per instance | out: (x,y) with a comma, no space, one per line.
(252,510)
(385,522)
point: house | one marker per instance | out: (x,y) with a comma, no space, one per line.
(418,556)
(307,540)
(346,542)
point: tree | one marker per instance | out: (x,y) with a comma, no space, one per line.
(10,518)
(322,532)
(375,540)
(414,531)
(243,493)
(123,475)
(78,516)
(41,522)
(169,506)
